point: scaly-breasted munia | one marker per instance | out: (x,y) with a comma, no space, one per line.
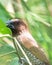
(33,50)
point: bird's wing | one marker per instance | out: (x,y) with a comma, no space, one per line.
(39,54)
(29,42)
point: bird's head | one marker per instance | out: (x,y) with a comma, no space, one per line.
(16,26)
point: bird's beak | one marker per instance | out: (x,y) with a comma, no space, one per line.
(11,26)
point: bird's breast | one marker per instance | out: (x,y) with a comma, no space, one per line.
(32,58)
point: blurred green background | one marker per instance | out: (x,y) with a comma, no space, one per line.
(38,14)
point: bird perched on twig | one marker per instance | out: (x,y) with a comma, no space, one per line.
(33,50)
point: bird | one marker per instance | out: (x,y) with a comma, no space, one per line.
(35,53)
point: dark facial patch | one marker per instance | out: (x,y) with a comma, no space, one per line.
(14,26)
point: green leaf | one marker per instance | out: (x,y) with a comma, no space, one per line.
(5,30)
(10,59)
(8,55)
(2,24)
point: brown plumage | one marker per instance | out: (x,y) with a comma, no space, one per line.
(32,49)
